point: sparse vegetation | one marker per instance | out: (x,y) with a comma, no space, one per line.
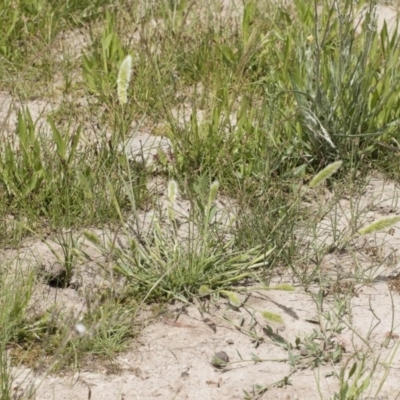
(270,116)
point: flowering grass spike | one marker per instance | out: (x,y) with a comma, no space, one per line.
(380,225)
(124,77)
(326,173)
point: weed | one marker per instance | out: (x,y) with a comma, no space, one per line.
(345,86)
(167,265)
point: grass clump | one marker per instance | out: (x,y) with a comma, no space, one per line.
(14,301)
(53,182)
(55,340)
(345,84)
(168,265)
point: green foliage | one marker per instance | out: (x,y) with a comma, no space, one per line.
(357,381)
(14,300)
(103,332)
(23,173)
(345,85)
(169,266)
(51,177)
(250,106)
(23,20)
(100,67)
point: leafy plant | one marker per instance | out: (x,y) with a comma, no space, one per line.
(22,172)
(14,299)
(355,383)
(101,65)
(167,265)
(345,86)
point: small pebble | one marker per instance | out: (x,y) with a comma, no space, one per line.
(303,351)
(220,360)
(230,341)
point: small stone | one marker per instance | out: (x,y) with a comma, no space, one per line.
(230,341)
(80,329)
(220,360)
(303,351)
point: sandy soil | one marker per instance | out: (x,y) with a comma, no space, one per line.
(172,357)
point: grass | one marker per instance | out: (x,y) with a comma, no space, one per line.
(268,110)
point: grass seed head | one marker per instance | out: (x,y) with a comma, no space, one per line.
(124,77)
(326,173)
(213,191)
(379,225)
(172,191)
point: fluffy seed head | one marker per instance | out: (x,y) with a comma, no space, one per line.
(124,77)
(326,173)
(380,225)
